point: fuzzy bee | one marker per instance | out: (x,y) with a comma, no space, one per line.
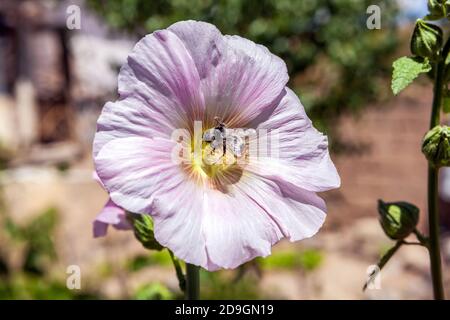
(221,136)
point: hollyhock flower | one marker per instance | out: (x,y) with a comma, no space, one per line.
(211,215)
(111,214)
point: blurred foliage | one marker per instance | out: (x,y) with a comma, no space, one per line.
(28,275)
(336,64)
(37,238)
(215,285)
(310,259)
(307,260)
(26,286)
(161,258)
(154,291)
(219,286)
(63,166)
(5,155)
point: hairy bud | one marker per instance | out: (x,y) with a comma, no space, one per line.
(436,146)
(426,40)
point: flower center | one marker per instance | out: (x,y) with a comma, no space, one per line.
(222,152)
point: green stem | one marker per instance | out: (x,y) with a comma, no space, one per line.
(383,260)
(433,225)
(423,240)
(417,243)
(192,282)
(433,214)
(388,255)
(179,271)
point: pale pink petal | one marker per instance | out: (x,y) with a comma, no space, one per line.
(203,41)
(254,214)
(99,229)
(178,219)
(140,176)
(239,78)
(247,81)
(111,214)
(236,229)
(160,66)
(303,159)
(159,89)
(134,169)
(97,178)
(298,213)
(218,228)
(131,117)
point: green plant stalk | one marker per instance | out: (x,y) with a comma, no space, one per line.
(433,214)
(192,282)
(179,271)
(383,260)
(433,225)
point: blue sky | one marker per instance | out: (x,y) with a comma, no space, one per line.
(412,9)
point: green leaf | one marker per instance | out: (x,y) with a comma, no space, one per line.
(143,230)
(406,69)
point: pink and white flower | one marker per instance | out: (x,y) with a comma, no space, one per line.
(214,216)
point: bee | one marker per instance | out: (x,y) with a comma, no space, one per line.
(222,137)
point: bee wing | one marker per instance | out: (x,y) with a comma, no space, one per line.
(208,136)
(216,144)
(236,145)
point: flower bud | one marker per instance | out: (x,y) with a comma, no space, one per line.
(436,146)
(143,230)
(438,9)
(426,40)
(398,219)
